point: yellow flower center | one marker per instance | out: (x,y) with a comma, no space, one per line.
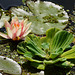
(16,38)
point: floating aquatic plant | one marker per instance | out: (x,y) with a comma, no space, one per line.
(48,50)
(16,30)
(9,66)
(43,15)
(2,17)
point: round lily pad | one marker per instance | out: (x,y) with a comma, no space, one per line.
(43,15)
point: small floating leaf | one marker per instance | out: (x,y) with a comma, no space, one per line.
(9,66)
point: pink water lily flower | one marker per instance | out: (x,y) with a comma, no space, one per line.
(16,30)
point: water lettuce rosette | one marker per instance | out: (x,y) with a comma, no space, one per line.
(51,49)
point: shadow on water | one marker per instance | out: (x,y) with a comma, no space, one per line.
(27,66)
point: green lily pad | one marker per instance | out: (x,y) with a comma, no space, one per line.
(43,15)
(3,17)
(9,66)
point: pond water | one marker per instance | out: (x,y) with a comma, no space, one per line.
(5,50)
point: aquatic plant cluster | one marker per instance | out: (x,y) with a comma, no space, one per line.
(51,50)
(48,50)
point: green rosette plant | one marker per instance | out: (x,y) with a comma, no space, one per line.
(48,50)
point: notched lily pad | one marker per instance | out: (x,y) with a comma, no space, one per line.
(43,15)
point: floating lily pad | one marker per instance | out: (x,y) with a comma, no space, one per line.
(43,15)
(3,17)
(9,66)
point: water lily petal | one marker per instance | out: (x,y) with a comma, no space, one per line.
(14,36)
(19,31)
(22,22)
(14,20)
(26,33)
(22,25)
(9,32)
(25,23)
(25,30)
(14,32)
(27,27)
(15,27)
(4,35)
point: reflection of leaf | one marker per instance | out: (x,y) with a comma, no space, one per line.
(43,15)
(69,54)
